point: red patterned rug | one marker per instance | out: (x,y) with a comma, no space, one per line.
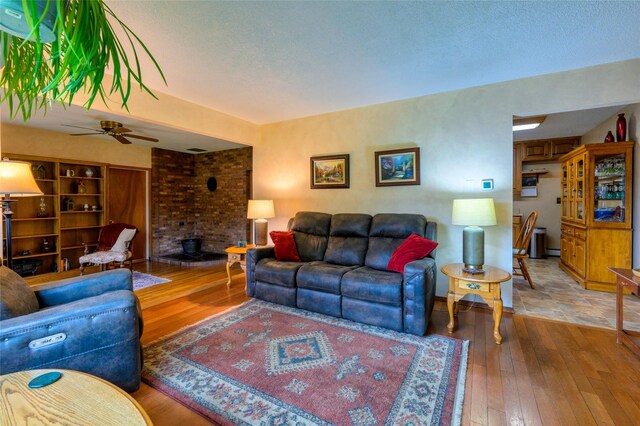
(264,364)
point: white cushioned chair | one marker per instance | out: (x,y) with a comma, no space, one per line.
(115,244)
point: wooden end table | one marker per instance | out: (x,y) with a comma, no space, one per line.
(237,255)
(625,280)
(76,398)
(486,285)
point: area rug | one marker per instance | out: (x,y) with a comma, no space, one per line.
(262,364)
(142,280)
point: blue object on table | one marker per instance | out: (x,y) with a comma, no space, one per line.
(45,379)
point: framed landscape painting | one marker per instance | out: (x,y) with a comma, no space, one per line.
(398,167)
(330,171)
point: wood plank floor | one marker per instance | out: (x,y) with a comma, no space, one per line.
(545,372)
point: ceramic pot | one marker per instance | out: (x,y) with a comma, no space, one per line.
(609,137)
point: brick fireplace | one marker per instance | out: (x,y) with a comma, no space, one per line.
(183,207)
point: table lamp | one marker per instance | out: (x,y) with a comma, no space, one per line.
(473,213)
(260,211)
(15,179)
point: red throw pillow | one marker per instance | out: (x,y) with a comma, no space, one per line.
(285,246)
(413,248)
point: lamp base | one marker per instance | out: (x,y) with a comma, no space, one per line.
(261,227)
(473,249)
(473,269)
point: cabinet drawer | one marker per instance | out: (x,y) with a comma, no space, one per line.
(566,230)
(469,285)
(580,233)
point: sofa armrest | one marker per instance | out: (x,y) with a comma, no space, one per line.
(81,287)
(97,335)
(255,255)
(419,291)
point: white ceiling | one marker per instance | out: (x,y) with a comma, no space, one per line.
(272,61)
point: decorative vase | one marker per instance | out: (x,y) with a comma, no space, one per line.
(88,173)
(621,128)
(609,137)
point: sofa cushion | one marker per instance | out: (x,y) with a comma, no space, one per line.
(387,232)
(348,239)
(284,246)
(413,248)
(311,233)
(369,284)
(322,276)
(273,271)
(16,297)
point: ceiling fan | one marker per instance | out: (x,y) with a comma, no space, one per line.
(113,129)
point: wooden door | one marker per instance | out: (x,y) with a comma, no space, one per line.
(127,202)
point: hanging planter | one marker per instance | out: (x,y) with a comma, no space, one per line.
(39,70)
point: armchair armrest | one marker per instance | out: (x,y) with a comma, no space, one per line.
(254,255)
(98,335)
(72,289)
(419,291)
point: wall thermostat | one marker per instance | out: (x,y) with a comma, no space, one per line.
(487,184)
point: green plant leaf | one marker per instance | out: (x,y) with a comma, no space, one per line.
(86,46)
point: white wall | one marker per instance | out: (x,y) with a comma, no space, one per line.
(545,203)
(632,114)
(463,135)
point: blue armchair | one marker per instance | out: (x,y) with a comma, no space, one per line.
(89,323)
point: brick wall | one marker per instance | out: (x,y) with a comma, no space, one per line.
(180,196)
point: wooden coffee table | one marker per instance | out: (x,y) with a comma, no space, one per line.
(625,280)
(237,255)
(76,398)
(486,285)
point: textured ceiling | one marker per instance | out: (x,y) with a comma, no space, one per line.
(273,61)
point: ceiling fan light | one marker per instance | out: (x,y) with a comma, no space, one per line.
(14,22)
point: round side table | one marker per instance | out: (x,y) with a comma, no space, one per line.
(75,398)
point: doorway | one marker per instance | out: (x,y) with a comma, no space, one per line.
(128,202)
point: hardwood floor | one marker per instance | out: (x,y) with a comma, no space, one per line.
(545,372)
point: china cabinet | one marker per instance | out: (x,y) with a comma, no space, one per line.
(596,199)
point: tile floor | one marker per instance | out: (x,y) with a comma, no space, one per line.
(559,297)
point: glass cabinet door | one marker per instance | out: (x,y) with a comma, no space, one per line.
(609,188)
(579,189)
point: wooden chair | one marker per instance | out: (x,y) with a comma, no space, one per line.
(521,247)
(115,244)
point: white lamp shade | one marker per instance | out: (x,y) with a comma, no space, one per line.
(17,180)
(260,209)
(474,212)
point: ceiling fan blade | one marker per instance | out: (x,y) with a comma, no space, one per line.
(120,130)
(80,127)
(144,138)
(121,139)
(84,134)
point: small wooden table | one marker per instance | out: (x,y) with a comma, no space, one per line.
(625,280)
(486,285)
(76,398)
(235,255)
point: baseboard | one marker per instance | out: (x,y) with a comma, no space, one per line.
(553,252)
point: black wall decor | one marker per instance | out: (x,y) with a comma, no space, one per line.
(212,184)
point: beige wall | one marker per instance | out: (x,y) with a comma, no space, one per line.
(464,136)
(545,203)
(632,114)
(44,143)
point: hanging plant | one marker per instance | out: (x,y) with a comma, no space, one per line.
(85,48)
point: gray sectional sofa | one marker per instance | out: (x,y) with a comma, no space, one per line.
(344,273)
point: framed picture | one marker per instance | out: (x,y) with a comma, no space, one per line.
(330,171)
(398,167)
